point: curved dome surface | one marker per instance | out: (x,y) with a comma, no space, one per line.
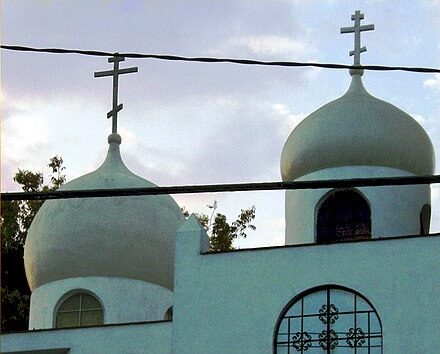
(357,129)
(129,237)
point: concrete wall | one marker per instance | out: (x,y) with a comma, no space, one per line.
(395,210)
(123,300)
(230,302)
(152,338)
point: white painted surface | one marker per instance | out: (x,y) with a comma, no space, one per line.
(230,302)
(151,338)
(357,129)
(126,237)
(123,300)
(395,211)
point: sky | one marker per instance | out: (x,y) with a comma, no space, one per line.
(197,123)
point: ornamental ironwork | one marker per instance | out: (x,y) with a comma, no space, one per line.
(328,314)
(329,319)
(328,339)
(355,337)
(301,341)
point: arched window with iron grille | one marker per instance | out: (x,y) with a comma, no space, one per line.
(343,215)
(328,319)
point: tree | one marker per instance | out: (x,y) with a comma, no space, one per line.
(222,233)
(16,218)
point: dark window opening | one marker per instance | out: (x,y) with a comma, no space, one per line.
(425,219)
(328,319)
(344,215)
(169,314)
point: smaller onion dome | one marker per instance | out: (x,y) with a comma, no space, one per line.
(129,237)
(357,129)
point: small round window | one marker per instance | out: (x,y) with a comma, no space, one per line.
(329,319)
(79,310)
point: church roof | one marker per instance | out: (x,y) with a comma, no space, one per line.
(130,236)
(357,129)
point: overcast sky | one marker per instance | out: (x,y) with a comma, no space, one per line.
(193,123)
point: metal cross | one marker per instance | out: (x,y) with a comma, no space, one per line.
(115,73)
(357,29)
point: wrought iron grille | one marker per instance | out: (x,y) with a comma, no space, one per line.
(344,215)
(329,320)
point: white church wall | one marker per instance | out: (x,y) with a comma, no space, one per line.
(152,338)
(395,210)
(123,300)
(230,302)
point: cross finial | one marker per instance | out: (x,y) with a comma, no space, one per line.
(115,73)
(357,29)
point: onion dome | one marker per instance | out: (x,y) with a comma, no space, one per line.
(128,237)
(357,129)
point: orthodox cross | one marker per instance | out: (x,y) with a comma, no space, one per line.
(357,29)
(115,73)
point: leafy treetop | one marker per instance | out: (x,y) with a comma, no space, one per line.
(222,233)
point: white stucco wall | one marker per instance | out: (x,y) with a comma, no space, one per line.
(395,210)
(230,302)
(151,338)
(124,300)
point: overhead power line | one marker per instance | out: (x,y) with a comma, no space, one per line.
(220,60)
(216,188)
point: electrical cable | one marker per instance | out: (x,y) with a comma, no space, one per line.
(216,188)
(220,60)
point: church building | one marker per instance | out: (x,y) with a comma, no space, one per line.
(359,271)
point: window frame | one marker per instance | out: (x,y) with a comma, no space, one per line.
(316,289)
(325,197)
(70,294)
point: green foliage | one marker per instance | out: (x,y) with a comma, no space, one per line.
(10,228)
(222,233)
(15,310)
(16,218)
(56,164)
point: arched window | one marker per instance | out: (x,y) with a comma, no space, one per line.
(169,314)
(343,215)
(425,219)
(328,319)
(79,310)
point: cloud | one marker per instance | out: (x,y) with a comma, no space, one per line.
(270,233)
(33,130)
(220,139)
(273,46)
(419,118)
(433,82)
(288,120)
(174,27)
(280,109)
(23,142)
(243,146)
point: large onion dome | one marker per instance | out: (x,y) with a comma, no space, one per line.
(129,237)
(357,129)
